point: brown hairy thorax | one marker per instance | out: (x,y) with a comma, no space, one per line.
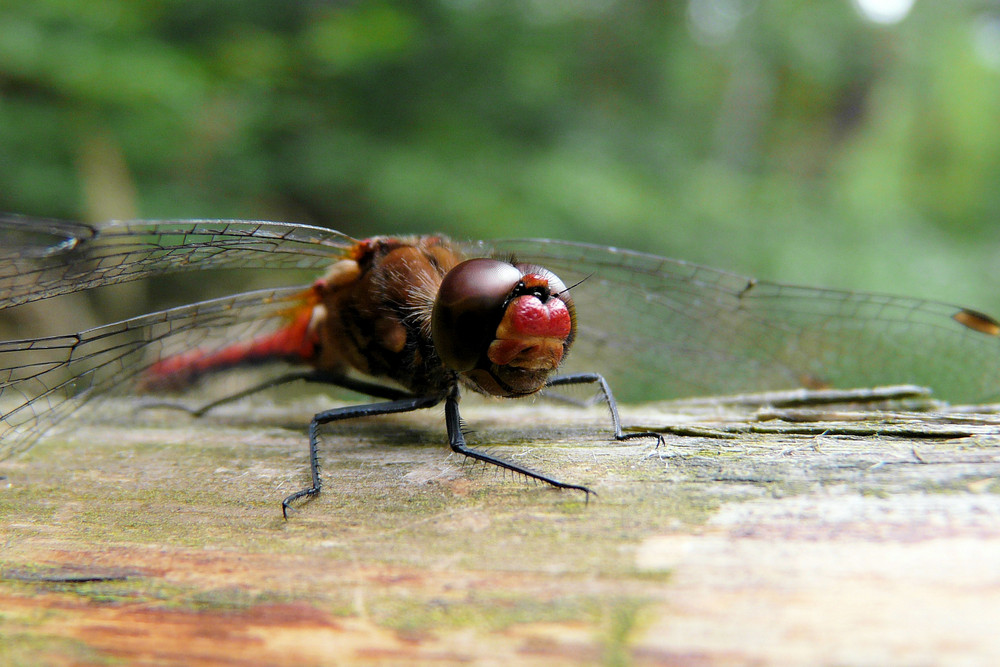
(374,309)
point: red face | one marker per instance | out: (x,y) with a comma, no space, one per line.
(504,327)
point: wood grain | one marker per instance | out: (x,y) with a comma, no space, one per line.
(828,534)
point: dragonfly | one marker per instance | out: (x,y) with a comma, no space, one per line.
(413,321)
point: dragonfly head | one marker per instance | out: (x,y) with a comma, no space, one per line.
(504,327)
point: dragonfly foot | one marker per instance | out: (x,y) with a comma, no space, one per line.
(286,504)
(643,434)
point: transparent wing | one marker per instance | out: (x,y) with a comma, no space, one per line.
(662,328)
(45,380)
(45,258)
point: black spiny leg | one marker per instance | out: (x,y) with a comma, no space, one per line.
(340,414)
(457,441)
(344,381)
(609,399)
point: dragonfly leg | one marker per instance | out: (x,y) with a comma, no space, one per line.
(373,389)
(609,400)
(568,400)
(349,412)
(457,441)
(360,386)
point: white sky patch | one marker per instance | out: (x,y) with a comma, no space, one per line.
(884,11)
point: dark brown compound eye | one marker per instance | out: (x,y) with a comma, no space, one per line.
(469,305)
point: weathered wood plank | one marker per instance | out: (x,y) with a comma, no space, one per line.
(823,536)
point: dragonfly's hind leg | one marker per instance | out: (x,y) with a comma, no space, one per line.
(369,388)
(349,412)
(457,441)
(609,400)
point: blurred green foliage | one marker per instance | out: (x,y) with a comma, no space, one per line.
(798,141)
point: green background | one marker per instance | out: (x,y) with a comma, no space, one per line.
(798,142)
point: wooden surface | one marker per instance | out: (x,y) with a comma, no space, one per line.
(791,535)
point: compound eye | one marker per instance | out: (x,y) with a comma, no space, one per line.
(469,306)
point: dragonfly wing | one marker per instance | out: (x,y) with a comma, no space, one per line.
(45,258)
(662,328)
(45,380)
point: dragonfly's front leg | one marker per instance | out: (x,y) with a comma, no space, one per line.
(457,441)
(609,400)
